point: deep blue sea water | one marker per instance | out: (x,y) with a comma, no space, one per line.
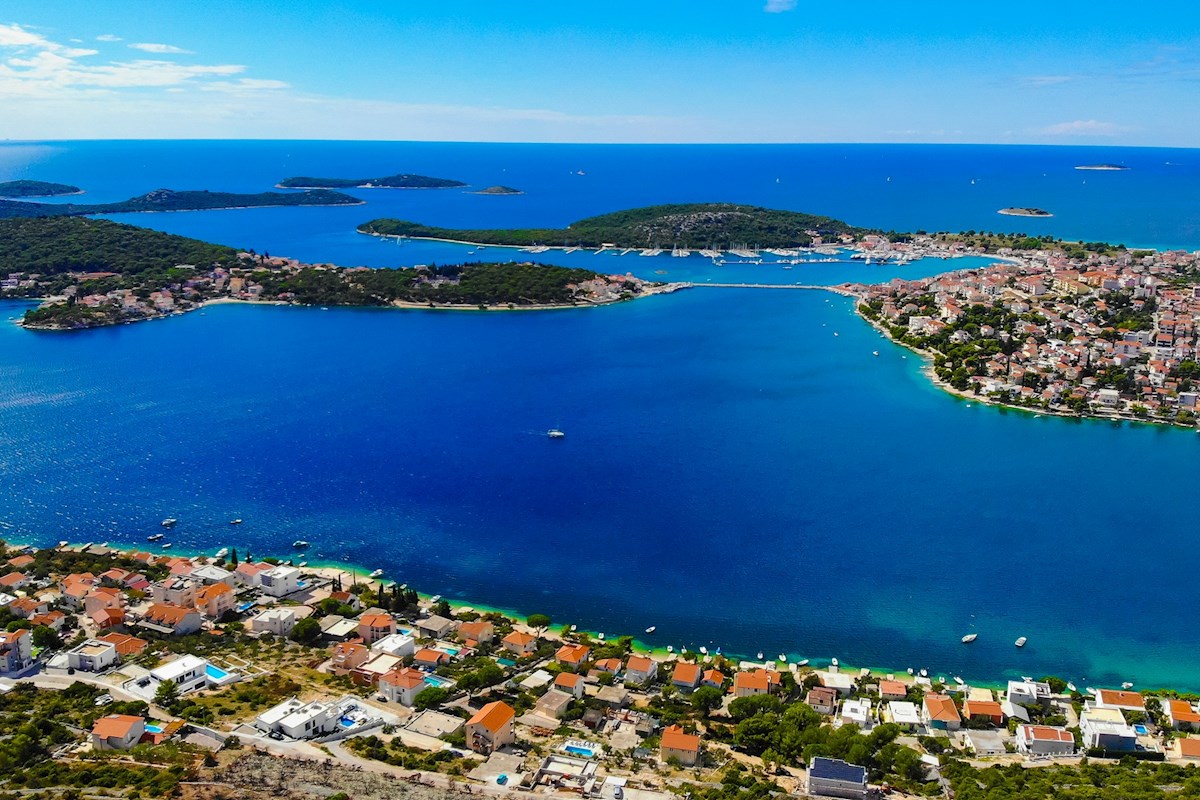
(733,472)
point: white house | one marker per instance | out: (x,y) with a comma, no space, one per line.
(280,581)
(856,712)
(276,621)
(209,574)
(1028,693)
(1044,740)
(92,656)
(396,644)
(187,671)
(903,713)
(299,720)
(1106,729)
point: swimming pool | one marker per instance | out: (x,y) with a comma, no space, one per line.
(438,681)
(215,674)
(347,722)
(1140,730)
(154,728)
(506,662)
(583,749)
(452,651)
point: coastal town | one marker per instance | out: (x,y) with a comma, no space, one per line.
(198,663)
(85,301)
(1103,334)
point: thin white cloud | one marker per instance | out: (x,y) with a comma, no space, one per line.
(1048,80)
(1084,127)
(779,6)
(160,49)
(35,67)
(108,37)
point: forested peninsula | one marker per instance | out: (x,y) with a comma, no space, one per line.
(25,188)
(404,181)
(716,226)
(93,273)
(170,200)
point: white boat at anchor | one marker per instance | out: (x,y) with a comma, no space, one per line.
(970,637)
(1020,642)
(377,573)
(555,433)
(652,629)
(224,551)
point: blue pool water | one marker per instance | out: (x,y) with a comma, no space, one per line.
(438,681)
(732,473)
(579,751)
(153,728)
(215,673)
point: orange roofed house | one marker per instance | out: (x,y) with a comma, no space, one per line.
(172,620)
(640,670)
(348,656)
(402,685)
(685,676)
(491,728)
(939,712)
(373,627)
(684,747)
(983,709)
(572,656)
(214,600)
(520,643)
(117,732)
(473,634)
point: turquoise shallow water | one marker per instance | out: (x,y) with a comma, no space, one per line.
(733,473)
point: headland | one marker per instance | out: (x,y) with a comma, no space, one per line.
(170,200)
(26,188)
(403,181)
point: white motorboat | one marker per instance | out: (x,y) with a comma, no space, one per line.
(802,662)
(555,433)
(833,662)
(703,650)
(670,648)
(300,544)
(783,658)
(911,671)
(224,551)
(760,655)
(652,629)
(166,546)
(958,680)
(1020,642)
(1071,688)
(924,673)
(169,522)
(1127,685)
(154,537)
(970,637)
(600,636)
(237,521)
(378,573)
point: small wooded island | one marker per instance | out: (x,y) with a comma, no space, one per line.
(715,226)
(499,190)
(390,182)
(1024,212)
(96,272)
(169,200)
(25,188)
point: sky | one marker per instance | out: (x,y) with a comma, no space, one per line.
(1062,72)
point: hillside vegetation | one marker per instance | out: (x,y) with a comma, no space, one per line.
(692,226)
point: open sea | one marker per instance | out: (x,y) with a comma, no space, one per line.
(733,473)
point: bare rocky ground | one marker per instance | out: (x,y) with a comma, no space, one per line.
(259,776)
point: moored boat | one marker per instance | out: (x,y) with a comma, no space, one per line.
(300,544)
(970,637)
(169,522)
(1020,642)
(652,629)
(376,573)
